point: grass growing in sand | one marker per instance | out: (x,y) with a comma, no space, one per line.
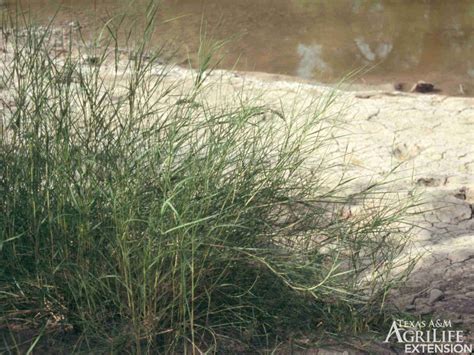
(139,217)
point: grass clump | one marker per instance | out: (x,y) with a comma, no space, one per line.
(139,217)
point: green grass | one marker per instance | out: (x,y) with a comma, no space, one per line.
(139,217)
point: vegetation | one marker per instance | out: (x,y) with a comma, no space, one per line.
(139,217)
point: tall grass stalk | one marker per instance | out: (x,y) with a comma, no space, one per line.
(140,217)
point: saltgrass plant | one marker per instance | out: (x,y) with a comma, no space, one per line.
(138,216)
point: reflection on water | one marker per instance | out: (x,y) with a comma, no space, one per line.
(380,52)
(311,61)
(405,40)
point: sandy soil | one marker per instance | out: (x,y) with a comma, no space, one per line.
(430,139)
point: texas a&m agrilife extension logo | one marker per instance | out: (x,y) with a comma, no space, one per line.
(428,337)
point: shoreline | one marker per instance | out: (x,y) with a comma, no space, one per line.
(353,85)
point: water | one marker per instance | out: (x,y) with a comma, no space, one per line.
(401,41)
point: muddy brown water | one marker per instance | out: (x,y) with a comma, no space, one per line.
(400,41)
